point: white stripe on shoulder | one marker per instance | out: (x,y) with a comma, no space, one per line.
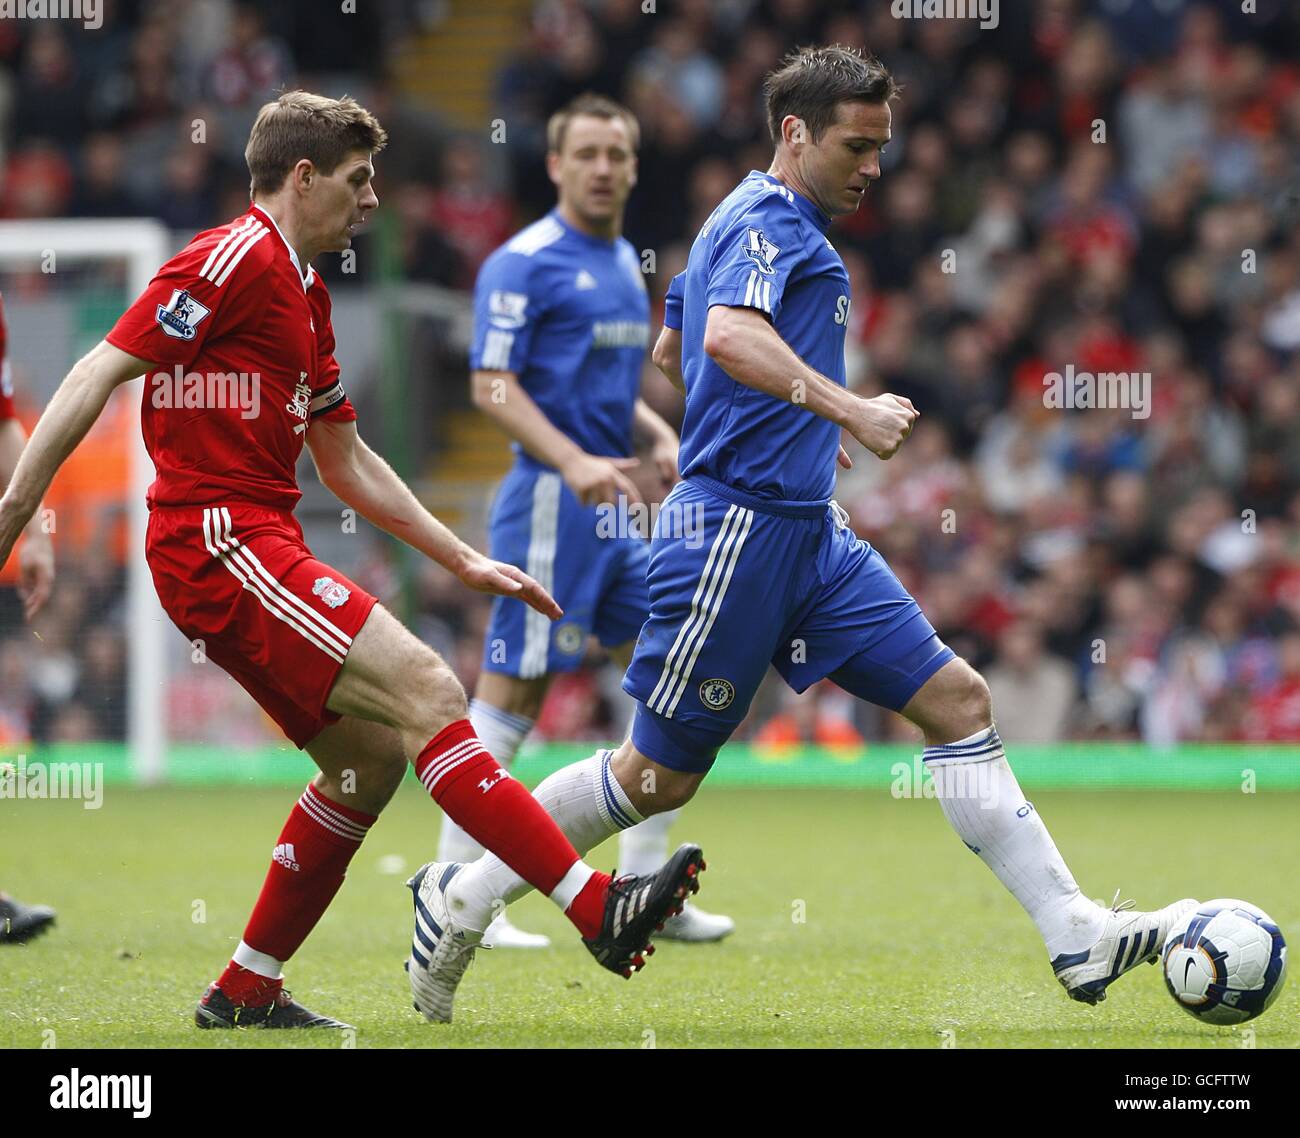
(232,235)
(239,253)
(231,246)
(535,237)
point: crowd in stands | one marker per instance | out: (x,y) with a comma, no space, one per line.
(1090,187)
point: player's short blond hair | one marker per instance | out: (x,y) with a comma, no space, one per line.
(595,106)
(302,125)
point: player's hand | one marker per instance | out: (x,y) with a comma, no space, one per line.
(36,573)
(487,576)
(882,424)
(664,456)
(843,458)
(594,480)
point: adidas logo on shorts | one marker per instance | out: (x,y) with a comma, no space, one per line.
(284,855)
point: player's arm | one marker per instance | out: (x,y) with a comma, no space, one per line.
(36,558)
(71,413)
(363,480)
(666,355)
(592,478)
(744,344)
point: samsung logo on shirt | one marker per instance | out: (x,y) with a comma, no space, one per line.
(620,334)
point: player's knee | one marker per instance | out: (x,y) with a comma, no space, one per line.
(656,790)
(651,788)
(953,704)
(973,704)
(372,782)
(674,795)
(438,697)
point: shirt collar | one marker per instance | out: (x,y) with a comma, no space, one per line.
(603,242)
(811,212)
(310,275)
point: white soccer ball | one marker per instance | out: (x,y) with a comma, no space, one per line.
(1225,962)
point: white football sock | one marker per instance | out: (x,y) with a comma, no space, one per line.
(983,802)
(501,733)
(587,804)
(258,962)
(644,848)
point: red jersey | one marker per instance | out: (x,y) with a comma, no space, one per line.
(6,373)
(243,355)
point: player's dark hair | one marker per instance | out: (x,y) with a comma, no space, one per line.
(302,125)
(812,81)
(597,106)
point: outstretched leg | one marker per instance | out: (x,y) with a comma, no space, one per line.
(392,678)
(1089,946)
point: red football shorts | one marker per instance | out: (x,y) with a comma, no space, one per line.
(241,579)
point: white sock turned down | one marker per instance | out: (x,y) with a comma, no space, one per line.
(983,802)
(588,805)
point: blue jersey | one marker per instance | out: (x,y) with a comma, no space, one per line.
(569,315)
(673,302)
(764,247)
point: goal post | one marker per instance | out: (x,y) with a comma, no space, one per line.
(142,245)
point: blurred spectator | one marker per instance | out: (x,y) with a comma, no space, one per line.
(1034,693)
(253,66)
(49,96)
(473,217)
(1273,715)
(100,190)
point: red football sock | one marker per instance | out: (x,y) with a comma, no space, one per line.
(248,988)
(587,909)
(494,809)
(307,868)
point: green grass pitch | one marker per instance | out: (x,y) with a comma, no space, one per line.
(861,922)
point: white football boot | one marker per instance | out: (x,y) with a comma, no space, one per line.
(695,926)
(1129,939)
(441,949)
(502,934)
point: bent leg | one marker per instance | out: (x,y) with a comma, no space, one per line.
(391,677)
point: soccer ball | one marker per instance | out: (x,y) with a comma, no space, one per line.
(1225,962)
